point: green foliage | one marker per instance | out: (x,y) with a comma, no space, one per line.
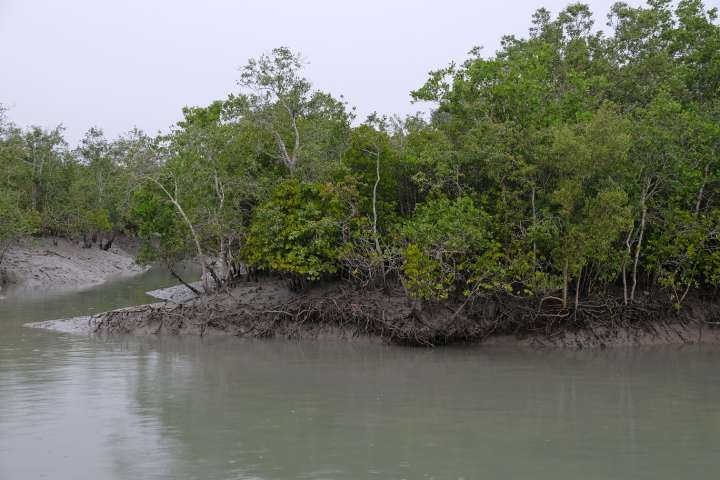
(163,237)
(685,253)
(450,244)
(425,277)
(305,130)
(299,231)
(14,223)
(571,159)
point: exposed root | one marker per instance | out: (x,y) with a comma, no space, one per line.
(393,319)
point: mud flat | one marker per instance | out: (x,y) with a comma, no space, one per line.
(177,293)
(41,265)
(79,325)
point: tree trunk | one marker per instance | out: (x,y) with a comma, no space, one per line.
(638,247)
(565,284)
(702,189)
(182,280)
(374,202)
(628,245)
(378,249)
(196,238)
(216,279)
(35,194)
(577,288)
(107,245)
(534,216)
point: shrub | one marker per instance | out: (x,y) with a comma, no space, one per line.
(298,231)
(450,246)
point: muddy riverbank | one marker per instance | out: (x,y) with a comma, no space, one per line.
(269,309)
(44,264)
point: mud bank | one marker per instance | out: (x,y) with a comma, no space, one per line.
(176,294)
(270,310)
(44,264)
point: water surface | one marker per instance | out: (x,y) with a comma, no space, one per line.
(74,407)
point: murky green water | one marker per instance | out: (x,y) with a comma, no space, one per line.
(79,408)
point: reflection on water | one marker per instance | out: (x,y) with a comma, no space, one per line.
(73,407)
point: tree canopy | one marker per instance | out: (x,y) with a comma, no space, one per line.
(571,163)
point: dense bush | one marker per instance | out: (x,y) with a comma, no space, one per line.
(298,231)
(450,244)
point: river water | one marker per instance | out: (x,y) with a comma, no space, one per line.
(75,408)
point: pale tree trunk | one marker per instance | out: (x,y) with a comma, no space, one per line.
(638,246)
(375,216)
(374,203)
(290,158)
(534,215)
(701,193)
(577,288)
(628,245)
(376,236)
(196,239)
(565,284)
(36,172)
(224,245)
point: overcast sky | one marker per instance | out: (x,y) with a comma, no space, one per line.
(124,63)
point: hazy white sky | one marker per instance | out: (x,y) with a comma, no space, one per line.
(124,63)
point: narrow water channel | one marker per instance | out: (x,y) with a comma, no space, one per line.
(75,407)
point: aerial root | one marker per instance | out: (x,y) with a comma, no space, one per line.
(394,319)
